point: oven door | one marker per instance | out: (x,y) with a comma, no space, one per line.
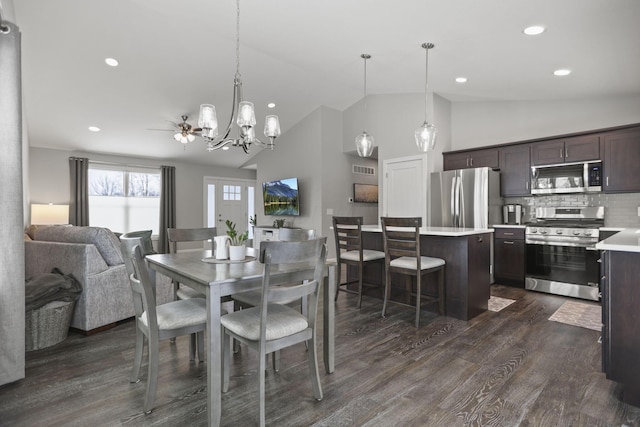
(563,270)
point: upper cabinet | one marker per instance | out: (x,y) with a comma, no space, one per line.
(622,161)
(515,164)
(471,159)
(575,149)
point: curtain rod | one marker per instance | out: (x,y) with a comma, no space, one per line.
(123,164)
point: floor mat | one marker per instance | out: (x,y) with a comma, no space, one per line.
(497,303)
(579,314)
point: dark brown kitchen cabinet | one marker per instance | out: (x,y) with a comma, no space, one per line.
(471,159)
(515,164)
(509,256)
(621,161)
(620,322)
(576,149)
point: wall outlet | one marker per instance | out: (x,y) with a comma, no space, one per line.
(350,200)
(329,211)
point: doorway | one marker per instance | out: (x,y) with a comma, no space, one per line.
(232,199)
(404,187)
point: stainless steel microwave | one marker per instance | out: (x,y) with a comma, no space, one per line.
(580,177)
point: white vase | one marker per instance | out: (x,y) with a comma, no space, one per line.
(237,253)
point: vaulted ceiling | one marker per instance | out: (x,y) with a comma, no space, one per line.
(299,54)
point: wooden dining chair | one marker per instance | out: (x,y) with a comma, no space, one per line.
(175,235)
(272,326)
(401,237)
(158,322)
(348,236)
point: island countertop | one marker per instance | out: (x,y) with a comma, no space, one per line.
(627,240)
(437,231)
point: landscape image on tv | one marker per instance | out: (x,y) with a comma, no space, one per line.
(281,197)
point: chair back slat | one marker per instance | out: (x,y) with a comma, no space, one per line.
(144,298)
(401,236)
(176,235)
(348,234)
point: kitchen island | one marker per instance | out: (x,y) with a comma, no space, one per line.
(620,318)
(467,253)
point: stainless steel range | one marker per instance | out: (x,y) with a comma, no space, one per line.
(560,251)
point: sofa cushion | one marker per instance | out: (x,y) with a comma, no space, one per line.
(102,238)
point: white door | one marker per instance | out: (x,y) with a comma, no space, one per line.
(229,199)
(404,187)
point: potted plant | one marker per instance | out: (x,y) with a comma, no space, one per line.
(236,249)
(278,223)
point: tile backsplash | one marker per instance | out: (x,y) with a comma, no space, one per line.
(621,210)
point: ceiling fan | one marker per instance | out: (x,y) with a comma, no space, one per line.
(184,132)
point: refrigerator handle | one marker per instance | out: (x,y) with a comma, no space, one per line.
(456,198)
(453,201)
(460,203)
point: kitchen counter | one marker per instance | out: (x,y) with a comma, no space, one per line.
(508,226)
(467,256)
(627,240)
(437,231)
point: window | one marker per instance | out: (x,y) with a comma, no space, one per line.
(124,198)
(232,192)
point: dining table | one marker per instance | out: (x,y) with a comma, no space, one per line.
(218,280)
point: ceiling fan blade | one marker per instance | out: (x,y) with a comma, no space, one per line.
(166,130)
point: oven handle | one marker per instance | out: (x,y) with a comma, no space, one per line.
(587,246)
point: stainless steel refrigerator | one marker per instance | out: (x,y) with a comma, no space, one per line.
(465,198)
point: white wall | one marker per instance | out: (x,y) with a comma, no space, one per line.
(478,124)
(49,180)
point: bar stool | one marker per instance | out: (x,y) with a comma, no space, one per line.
(401,237)
(348,236)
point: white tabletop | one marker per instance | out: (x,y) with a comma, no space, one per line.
(437,231)
(627,240)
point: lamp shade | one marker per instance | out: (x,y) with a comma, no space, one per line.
(246,114)
(208,121)
(364,144)
(49,214)
(271,127)
(426,137)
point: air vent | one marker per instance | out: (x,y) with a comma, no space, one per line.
(363,170)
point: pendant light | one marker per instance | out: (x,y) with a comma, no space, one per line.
(426,134)
(364,141)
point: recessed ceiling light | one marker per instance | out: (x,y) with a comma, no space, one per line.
(461,79)
(534,30)
(271,105)
(225,148)
(111,62)
(94,128)
(562,72)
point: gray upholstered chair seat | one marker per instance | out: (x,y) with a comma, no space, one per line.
(185,292)
(282,321)
(411,263)
(367,255)
(179,314)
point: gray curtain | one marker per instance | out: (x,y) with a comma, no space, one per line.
(12,309)
(79,178)
(167,206)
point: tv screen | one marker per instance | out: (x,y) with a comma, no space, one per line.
(281,197)
(365,193)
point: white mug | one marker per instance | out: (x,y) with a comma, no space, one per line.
(222,246)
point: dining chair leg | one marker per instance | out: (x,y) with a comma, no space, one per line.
(387,291)
(275,360)
(262,370)
(313,369)
(137,358)
(192,347)
(200,341)
(152,377)
(339,274)
(360,272)
(418,293)
(226,350)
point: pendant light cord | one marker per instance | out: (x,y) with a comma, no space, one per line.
(426,75)
(365,57)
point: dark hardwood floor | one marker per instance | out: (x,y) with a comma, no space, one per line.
(511,368)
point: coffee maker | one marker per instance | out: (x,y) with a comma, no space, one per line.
(512,214)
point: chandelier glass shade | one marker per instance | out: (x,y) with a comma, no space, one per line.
(364,141)
(426,134)
(242,113)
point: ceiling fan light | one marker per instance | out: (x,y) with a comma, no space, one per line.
(178,137)
(364,144)
(190,138)
(426,137)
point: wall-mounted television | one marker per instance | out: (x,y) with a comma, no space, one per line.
(365,193)
(281,197)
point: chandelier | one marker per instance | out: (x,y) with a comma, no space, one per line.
(364,141)
(242,113)
(426,134)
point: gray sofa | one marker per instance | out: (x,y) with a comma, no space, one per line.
(92,255)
